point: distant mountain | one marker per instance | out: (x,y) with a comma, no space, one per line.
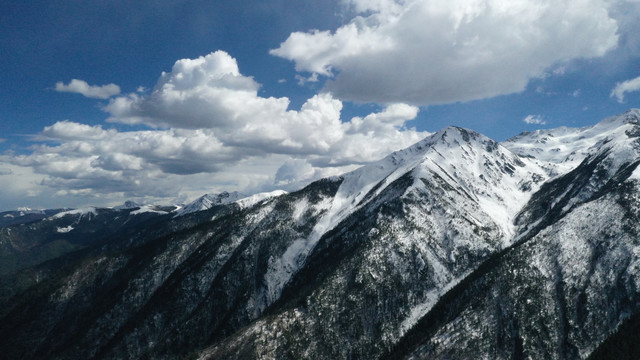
(207,201)
(25,215)
(457,247)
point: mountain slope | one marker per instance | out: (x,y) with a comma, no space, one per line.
(455,247)
(428,224)
(207,201)
(567,285)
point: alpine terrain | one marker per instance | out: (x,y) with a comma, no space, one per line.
(458,247)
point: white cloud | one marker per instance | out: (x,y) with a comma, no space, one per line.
(624,87)
(67,130)
(294,170)
(210,128)
(303,80)
(19,185)
(210,93)
(90,91)
(534,119)
(443,51)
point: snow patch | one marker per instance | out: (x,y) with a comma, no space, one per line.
(64,230)
(82,212)
(299,209)
(249,201)
(420,310)
(565,148)
(635,175)
(207,201)
(147,209)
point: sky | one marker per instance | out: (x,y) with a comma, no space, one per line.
(162,101)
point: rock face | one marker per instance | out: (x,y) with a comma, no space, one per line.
(457,247)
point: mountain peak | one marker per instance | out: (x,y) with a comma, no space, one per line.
(129,204)
(207,201)
(456,136)
(451,248)
(564,148)
(631,116)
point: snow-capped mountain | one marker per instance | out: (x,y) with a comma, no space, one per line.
(24,215)
(456,247)
(206,201)
(566,147)
(129,204)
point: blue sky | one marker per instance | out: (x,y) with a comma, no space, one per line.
(263,95)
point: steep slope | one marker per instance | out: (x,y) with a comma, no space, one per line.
(56,232)
(565,148)
(207,201)
(25,215)
(167,288)
(418,222)
(455,247)
(568,283)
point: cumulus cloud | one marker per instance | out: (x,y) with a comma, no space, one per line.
(68,130)
(624,87)
(210,93)
(209,125)
(294,170)
(534,119)
(443,51)
(90,91)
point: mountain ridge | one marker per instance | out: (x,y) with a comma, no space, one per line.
(455,247)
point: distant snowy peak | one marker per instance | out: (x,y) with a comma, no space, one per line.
(143,209)
(82,212)
(207,201)
(26,211)
(566,147)
(129,204)
(249,201)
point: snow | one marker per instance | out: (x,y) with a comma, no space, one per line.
(82,212)
(564,148)
(635,175)
(353,189)
(475,166)
(249,201)
(281,269)
(499,178)
(25,211)
(64,230)
(459,156)
(129,204)
(432,297)
(300,209)
(207,201)
(147,209)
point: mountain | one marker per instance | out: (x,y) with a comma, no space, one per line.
(25,215)
(207,201)
(570,280)
(456,247)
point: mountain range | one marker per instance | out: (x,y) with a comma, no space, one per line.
(458,247)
